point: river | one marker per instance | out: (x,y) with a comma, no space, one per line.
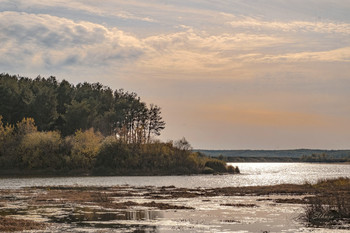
(252,174)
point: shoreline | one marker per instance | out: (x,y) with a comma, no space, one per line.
(60,175)
(50,173)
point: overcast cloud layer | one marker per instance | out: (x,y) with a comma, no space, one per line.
(265,74)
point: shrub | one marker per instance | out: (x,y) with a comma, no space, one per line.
(216,165)
(208,170)
(26,126)
(233,170)
(40,150)
(8,145)
(115,154)
(327,210)
(331,206)
(85,147)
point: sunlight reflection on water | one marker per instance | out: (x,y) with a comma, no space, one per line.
(252,174)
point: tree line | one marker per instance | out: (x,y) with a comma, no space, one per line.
(324,158)
(52,127)
(67,108)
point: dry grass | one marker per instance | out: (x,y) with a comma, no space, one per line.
(240,205)
(284,189)
(165,206)
(10,224)
(327,211)
(62,196)
(102,198)
(338,185)
(331,205)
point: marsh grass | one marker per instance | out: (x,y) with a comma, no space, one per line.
(327,211)
(98,196)
(240,205)
(11,225)
(103,197)
(331,205)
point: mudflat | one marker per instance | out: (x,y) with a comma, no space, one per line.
(288,207)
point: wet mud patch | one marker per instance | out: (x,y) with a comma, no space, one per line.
(288,200)
(240,205)
(96,215)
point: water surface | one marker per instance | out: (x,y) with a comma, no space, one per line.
(252,174)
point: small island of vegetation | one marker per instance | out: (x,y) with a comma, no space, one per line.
(49,127)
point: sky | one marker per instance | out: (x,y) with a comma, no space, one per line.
(228,74)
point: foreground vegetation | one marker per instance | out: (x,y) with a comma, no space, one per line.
(331,204)
(326,204)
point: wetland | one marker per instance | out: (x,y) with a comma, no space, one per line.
(167,209)
(201,203)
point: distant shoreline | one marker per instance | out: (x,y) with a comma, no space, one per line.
(280,160)
(297,155)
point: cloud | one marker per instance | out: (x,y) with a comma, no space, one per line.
(192,51)
(336,55)
(45,40)
(250,23)
(41,40)
(201,41)
(93,8)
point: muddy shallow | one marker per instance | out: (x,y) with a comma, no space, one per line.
(158,209)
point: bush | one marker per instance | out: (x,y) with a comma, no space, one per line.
(233,170)
(26,126)
(8,146)
(208,170)
(216,165)
(40,150)
(115,154)
(85,147)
